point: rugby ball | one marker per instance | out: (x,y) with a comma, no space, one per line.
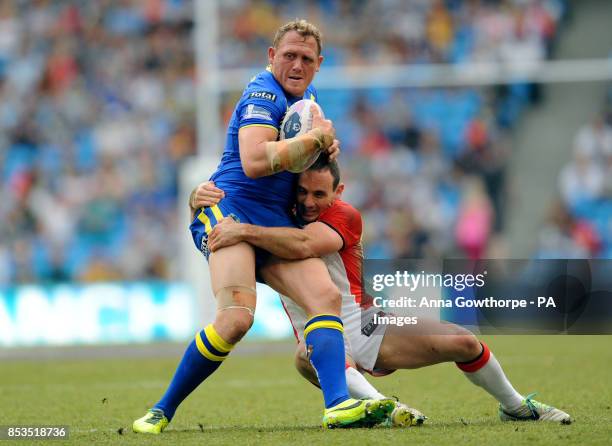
(298,119)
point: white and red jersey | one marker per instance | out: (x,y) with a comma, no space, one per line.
(345,271)
(345,265)
(362,337)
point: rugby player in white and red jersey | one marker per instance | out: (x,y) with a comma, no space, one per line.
(332,230)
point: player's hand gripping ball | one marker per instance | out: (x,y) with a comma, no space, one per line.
(297,122)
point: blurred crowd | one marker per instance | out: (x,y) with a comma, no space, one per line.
(580,222)
(97,113)
(378,32)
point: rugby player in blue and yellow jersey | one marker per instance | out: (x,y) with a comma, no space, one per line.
(257,173)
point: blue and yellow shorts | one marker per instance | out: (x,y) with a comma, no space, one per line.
(243,211)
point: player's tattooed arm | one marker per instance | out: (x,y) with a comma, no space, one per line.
(315,240)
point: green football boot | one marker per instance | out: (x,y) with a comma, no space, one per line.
(404,416)
(154,422)
(358,413)
(532,410)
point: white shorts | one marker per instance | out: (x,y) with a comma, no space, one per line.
(362,338)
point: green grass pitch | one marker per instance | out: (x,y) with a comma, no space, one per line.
(262,400)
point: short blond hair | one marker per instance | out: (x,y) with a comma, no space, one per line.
(303,28)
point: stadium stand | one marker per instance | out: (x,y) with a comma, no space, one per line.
(97,114)
(580,223)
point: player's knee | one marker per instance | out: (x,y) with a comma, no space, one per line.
(467,347)
(326,299)
(235,310)
(234,324)
(241,325)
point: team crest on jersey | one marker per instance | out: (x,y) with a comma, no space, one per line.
(292,126)
(263,95)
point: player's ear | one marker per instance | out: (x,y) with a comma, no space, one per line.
(271,54)
(339,190)
(320,62)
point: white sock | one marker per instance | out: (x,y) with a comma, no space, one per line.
(359,387)
(490,376)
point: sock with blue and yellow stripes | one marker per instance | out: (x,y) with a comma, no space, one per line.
(203,356)
(325,347)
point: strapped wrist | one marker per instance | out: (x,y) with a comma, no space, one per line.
(324,140)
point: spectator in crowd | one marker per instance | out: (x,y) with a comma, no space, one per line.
(594,139)
(565,237)
(475,220)
(582,179)
(580,224)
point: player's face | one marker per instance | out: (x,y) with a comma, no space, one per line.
(295,62)
(315,193)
